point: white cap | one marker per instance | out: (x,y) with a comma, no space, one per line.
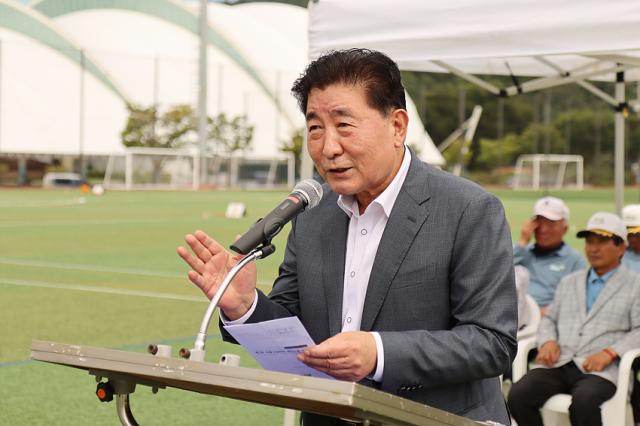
(631,217)
(551,208)
(605,224)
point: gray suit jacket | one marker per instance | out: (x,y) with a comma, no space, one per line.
(613,321)
(441,292)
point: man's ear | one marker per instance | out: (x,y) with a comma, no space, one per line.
(400,122)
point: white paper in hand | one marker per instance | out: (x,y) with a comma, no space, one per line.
(275,344)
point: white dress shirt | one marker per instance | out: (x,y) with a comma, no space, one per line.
(365,232)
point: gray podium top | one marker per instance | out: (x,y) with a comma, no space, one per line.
(329,397)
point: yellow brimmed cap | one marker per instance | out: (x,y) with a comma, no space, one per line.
(631,216)
(605,224)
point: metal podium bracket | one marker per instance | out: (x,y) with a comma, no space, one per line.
(124,410)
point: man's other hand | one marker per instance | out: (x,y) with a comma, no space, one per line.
(597,362)
(350,356)
(548,354)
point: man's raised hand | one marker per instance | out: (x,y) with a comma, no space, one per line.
(210,262)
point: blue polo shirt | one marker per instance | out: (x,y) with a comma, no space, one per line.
(546,270)
(631,260)
(595,284)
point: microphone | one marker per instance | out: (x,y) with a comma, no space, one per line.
(306,194)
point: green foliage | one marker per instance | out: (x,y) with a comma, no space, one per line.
(230,135)
(492,150)
(581,123)
(295,145)
(146,127)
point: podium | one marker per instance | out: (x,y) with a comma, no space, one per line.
(347,400)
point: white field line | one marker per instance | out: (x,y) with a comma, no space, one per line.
(75,223)
(103,290)
(51,203)
(89,268)
(98,268)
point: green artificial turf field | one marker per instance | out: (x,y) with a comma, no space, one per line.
(103,271)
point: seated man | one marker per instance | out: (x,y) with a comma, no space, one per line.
(631,217)
(593,321)
(549,259)
(631,260)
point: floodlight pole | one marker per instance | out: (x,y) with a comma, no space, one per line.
(83,171)
(202,95)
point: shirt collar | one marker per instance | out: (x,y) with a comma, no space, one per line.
(593,275)
(558,251)
(387,198)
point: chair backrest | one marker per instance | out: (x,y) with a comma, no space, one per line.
(533,318)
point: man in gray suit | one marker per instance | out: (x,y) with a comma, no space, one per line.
(403,273)
(593,320)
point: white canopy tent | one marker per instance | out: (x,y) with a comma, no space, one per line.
(550,43)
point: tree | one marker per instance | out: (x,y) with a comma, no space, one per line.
(295,145)
(147,128)
(230,135)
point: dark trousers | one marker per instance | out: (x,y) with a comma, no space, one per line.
(635,394)
(537,386)
(311,419)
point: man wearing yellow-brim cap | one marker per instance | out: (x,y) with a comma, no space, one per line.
(631,259)
(631,217)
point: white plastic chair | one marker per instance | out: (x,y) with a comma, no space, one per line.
(615,412)
(526,339)
(555,412)
(533,319)
(520,365)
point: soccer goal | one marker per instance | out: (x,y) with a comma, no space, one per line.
(556,171)
(152,168)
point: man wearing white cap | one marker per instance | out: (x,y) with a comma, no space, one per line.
(549,259)
(631,260)
(593,320)
(631,217)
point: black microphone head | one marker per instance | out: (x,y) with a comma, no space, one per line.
(310,190)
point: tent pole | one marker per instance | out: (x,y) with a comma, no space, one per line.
(554,81)
(469,77)
(619,142)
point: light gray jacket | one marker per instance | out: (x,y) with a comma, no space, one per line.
(614,319)
(441,292)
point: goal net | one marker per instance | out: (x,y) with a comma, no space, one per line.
(152,168)
(174,169)
(556,171)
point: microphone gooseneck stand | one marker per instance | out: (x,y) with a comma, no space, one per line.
(198,352)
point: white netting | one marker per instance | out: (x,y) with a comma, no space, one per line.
(142,168)
(549,171)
